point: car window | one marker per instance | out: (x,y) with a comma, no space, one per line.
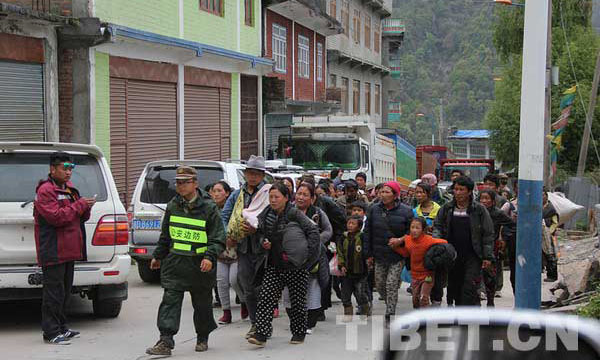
(159,185)
(20,174)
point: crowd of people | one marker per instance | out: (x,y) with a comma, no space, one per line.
(296,243)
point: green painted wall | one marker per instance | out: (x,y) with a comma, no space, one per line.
(103,104)
(250,35)
(235,119)
(157,16)
(162,17)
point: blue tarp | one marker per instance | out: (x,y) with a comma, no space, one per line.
(471,134)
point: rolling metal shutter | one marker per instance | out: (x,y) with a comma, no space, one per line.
(150,128)
(207,119)
(21,102)
(118,136)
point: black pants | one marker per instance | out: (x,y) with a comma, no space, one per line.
(439,282)
(169,314)
(356,285)
(370,284)
(57,282)
(247,264)
(464,281)
(273,283)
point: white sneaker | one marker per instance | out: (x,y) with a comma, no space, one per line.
(309,331)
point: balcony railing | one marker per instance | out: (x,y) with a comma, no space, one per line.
(393,27)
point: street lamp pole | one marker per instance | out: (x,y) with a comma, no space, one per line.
(531,156)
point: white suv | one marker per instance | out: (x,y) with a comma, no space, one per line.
(154,189)
(102,274)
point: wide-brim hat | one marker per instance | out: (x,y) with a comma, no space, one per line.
(256,163)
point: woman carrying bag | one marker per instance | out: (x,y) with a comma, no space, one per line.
(292,242)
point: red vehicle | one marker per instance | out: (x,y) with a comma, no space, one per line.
(476,169)
(428,159)
(440,161)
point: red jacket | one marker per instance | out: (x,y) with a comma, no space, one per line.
(416,249)
(59,216)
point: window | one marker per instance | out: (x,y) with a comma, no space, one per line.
(21,171)
(376,36)
(368,98)
(356,24)
(346,17)
(279,48)
(332,80)
(319,62)
(356,97)
(345,95)
(212,6)
(249,12)
(333,9)
(367,31)
(303,57)
(377,99)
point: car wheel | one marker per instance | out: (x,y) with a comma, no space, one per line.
(146,274)
(107,308)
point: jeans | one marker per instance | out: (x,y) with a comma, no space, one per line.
(227,275)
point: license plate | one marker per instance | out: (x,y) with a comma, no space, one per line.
(146,224)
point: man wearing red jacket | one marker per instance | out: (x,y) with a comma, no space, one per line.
(60,214)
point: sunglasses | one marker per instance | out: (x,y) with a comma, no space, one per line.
(66,165)
(183,182)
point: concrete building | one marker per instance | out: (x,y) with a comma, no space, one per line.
(43,45)
(470,144)
(143,79)
(294,33)
(354,58)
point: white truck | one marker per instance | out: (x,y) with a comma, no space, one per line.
(321,144)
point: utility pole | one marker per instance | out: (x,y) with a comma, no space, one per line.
(548,108)
(531,156)
(442,125)
(585,141)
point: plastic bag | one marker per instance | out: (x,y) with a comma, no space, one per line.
(333,266)
(405,276)
(564,207)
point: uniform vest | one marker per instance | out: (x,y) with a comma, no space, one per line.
(188,235)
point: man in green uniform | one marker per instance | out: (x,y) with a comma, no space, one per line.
(192,236)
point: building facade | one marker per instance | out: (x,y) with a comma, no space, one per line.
(355,58)
(295,40)
(179,80)
(42,45)
(470,144)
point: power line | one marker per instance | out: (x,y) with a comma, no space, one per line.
(564,31)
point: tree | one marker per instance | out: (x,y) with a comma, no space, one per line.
(447,53)
(503,116)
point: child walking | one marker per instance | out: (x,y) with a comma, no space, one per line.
(415,246)
(353,266)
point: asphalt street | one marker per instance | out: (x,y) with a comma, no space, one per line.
(127,336)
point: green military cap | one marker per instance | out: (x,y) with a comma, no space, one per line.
(185,173)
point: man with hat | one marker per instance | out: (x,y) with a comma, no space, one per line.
(350,196)
(250,251)
(191,238)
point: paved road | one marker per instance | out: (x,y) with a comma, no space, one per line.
(127,336)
